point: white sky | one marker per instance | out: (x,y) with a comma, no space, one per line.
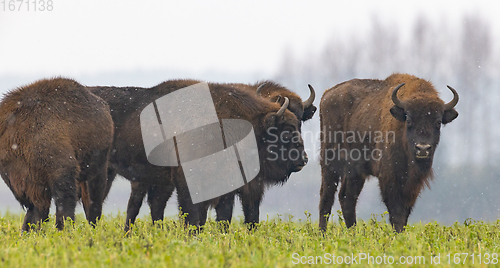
(90,37)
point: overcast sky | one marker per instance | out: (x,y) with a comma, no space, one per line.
(91,37)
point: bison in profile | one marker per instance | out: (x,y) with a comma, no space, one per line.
(53,134)
(251,194)
(384,128)
(128,157)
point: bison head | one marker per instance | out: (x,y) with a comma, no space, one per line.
(423,117)
(304,110)
(282,149)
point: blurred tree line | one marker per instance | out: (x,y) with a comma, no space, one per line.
(465,56)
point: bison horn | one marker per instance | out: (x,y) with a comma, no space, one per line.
(259,89)
(395,98)
(453,102)
(283,108)
(278,99)
(309,102)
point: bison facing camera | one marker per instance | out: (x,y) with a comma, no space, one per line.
(182,129)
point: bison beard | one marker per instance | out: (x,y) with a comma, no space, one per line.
(53,134)
(129,159)
(402,104)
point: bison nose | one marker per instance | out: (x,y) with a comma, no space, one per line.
(423,147)
(423,150)
(300,162)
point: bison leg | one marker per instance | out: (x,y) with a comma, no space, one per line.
(351,187)
(41,214)
(224,208)
(137,194)
(186,206)
(94,173)
(64,192)
(158,196)
(191,210)
(109,181)
(35,216)
(250,200)
(399,209)
(398,214)
(329,185)
(93,204)
(29,219)
(203,209)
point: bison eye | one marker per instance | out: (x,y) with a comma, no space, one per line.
(286,136)
(409,122)
(438,124)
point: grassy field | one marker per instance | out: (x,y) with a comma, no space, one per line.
(276,243)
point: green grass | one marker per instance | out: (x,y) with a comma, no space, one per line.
(273,244)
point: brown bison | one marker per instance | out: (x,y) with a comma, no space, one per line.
(53,134)
(384,128)
(251,194)
(128,157)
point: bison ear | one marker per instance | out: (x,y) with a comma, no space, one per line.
(398,113)
(449,115)
(308,113)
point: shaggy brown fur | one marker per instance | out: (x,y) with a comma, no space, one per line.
(402,167)
(129,160)
(251,195)
(275,92)
(53,133)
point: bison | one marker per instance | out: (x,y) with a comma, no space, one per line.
(251,194)
(128,157)
(54,133)
(384,128)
